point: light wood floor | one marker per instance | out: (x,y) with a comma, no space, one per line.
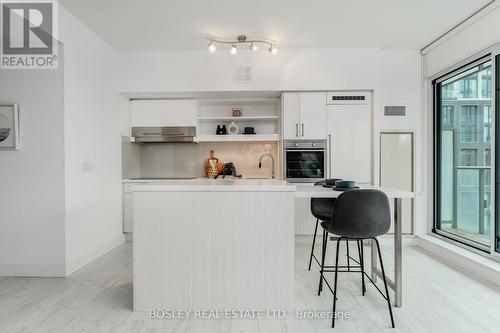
(98,298)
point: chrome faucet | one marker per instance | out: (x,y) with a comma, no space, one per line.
(272,158)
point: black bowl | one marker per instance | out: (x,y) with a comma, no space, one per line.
(343,189)
(332,181)
(345,184)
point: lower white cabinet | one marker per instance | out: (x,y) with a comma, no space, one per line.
(128,225)
(127,208)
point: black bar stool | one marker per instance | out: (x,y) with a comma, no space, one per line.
(358,215)
(322,210)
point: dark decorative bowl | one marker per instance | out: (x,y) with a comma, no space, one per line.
(345,184)
(332,181)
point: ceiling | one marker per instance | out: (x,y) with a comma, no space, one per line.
(154,25)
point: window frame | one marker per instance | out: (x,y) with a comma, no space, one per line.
(437,115)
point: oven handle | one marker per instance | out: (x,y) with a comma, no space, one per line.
(330,155)
(306,150)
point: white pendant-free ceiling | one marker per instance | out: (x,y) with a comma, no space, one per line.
(153,25)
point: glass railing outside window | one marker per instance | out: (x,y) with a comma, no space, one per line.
(465,155)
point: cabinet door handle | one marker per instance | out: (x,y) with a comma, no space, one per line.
(302,129)
(297,130)
(329,152)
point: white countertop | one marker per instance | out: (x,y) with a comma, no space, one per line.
(209,185)
(150,180)
(202,184)
(311,191)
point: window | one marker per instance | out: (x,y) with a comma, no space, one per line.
(487,157)
(463,155)
(486,86)
(468,87)
(468,123)
(449,92)
(468,157)
(447,115)
(496,155)
(487,124)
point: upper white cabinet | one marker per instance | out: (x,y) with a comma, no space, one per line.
(291,119)
(313,115)
(349,126)
(168,112)
(304,115)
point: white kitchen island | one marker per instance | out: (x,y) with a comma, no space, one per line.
(213,245)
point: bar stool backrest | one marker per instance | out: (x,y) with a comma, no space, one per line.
(361,214)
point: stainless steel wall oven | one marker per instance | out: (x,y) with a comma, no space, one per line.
(304,161)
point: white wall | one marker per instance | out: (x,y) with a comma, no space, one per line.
(32,179)
(95,118)
(478,34)
(401,84)
(288,70)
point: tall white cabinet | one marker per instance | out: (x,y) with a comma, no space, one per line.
(304,115)
(349,133)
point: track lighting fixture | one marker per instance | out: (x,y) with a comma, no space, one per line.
(242,39)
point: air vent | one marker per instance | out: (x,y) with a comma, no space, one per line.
(243,73)
(394,111)
(348,98)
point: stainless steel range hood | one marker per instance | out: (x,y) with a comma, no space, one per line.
(163,134)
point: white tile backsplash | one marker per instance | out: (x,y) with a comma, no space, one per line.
(187,159)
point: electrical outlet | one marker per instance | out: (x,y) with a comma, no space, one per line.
(87,166)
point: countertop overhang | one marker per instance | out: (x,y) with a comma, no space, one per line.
(215,185)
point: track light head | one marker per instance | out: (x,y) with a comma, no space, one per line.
(212,47)
(233,49)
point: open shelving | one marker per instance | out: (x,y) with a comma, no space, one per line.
(238,138)
(260,113)
(254,118)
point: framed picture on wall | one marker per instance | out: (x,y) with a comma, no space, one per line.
(9,127)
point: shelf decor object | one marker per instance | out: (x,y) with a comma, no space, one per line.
(241,39)
(233,128)
(236,112)
(9,127)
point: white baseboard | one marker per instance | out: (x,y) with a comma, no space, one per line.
(462,259)
(78,263)
(32,270)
